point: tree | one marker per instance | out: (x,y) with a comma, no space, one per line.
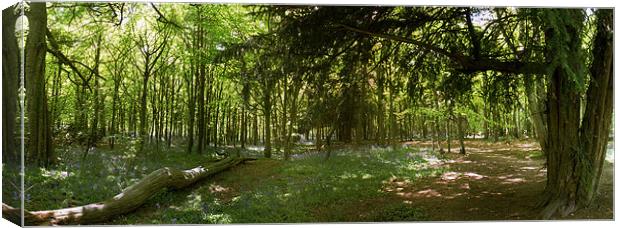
(10,75)
(569,182)
(40,149)
(152,46)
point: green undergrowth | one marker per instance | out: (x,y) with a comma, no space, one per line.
(344,188)
(347,187)
(103,173)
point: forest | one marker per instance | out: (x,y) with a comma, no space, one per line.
(179,113)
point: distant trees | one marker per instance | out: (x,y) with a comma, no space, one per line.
(472,49)
(152,44)
(231,75)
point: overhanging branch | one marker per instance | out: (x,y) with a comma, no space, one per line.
(55,50)
(468,64)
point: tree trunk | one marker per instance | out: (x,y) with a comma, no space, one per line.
(255,133)
(436,124)
(200,101)
(575,155)
(40,139)
(10,76)
(381,110)
(561,148)
(94,133)
(292,118)
(267,115)
(130,199)
(534,88)
(115,99)
(448,136)
(599,107)
(191,111)
(143,120)
(459,125)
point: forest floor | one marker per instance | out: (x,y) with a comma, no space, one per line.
(493,181)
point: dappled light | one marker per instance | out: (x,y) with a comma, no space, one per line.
(451,176)
(189,113)
(218,188)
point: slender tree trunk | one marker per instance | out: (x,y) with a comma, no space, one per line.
(381,109)
(113,124)
(437,132)
(255,133)
(536,105)
(202,128)
(449,139)
(267,116)
(292,118)
(190,111)
(460,128)
(92,141)
(143,120)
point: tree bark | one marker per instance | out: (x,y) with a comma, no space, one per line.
(461,121)
(130,199)
(40,148)
(267,116)
(10,75)
(599,107)
(575,154)
(534,88)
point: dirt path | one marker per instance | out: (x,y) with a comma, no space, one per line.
(492,182)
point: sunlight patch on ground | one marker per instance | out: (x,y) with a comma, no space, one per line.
(215,188)
(474,176)
(428,193)
(455,195)
(492,193)
(256,148)
(513,181)
(451,176)
(348,175)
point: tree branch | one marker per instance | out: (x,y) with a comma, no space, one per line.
(468,64)
(164,19)
(54,50)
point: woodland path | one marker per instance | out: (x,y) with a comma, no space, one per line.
(493,181)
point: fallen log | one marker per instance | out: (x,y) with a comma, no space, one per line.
(128,200)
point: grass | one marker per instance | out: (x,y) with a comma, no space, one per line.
(345,188)
(102,174)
